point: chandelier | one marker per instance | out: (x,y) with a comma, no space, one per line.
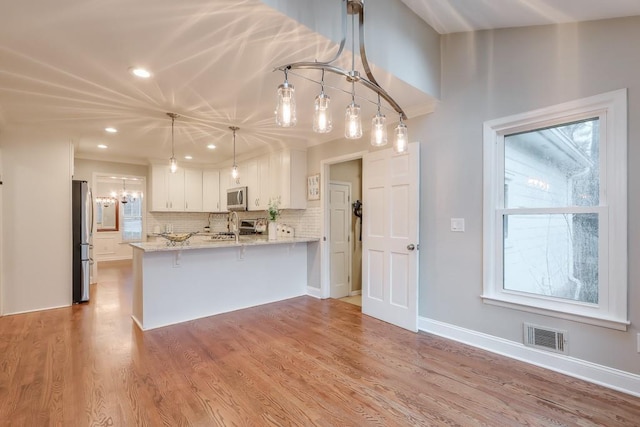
(322,120)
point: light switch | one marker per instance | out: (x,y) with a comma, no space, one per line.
(457,224)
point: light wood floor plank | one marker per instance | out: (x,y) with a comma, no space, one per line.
(300,362)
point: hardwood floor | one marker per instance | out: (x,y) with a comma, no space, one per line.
(299,362)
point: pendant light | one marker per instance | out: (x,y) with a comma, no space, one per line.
(234,169)
(379,128)
(286,107)
(322,120)
(401,141)
(173,163)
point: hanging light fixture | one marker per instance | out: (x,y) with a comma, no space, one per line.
(322,120)
(234,169)
(285,110)
(125,196)
(379,128)
(173,163)
(401,141)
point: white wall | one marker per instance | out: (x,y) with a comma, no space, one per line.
(36,215)
(492,74)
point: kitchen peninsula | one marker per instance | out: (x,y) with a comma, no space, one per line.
(173,284)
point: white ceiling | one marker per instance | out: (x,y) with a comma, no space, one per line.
(452,16)
(64,67)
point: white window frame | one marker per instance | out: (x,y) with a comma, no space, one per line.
(123,220)
(611,310)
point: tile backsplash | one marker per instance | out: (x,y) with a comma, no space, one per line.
(306,222)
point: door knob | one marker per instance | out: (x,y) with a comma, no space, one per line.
(411,246)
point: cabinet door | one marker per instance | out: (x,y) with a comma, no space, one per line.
(211,191)
(264,178)
(159,188)
(288,178)
(251,180)
(193,190)
(176,190)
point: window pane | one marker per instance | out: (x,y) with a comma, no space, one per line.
(553,167)
(554,255)
(132,220)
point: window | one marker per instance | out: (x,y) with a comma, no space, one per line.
(132,220)
(555,211)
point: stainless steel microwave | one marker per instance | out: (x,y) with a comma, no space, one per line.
(237,199)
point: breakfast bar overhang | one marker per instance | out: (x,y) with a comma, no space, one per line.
(173,284)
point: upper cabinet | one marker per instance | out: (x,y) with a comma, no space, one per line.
(167,189)
(281,175)
(288,178)
(193,190)
(258,182)
(211,191)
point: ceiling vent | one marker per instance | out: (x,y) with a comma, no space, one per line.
(545,338)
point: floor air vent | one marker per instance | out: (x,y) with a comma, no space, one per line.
(545,338)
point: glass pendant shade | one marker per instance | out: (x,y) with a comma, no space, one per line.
(352,122)
(286,108)
(322,121)
(173,164)
(234,172)
(379,130)
(401,143)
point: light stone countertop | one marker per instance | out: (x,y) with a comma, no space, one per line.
(212,244)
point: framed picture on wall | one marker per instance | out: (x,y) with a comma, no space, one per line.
(313,187)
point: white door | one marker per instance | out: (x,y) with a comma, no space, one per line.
(390,236)
(339,241)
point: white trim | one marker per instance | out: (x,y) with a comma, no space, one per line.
(314,292)
(355,293)
(611,310)
(36,310)
(615,379)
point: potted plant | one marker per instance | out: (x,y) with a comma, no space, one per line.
(273,211)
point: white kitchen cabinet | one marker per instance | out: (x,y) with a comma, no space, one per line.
(193,190)
(167,189)
(211,191)
(258,183)
(288,178)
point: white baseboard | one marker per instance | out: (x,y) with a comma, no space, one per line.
(13,313)
(314,292)
(354,293)
(616,379)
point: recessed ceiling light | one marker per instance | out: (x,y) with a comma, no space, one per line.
(188,157)
(140,72)
(102,146)
(211,147)
(111,130)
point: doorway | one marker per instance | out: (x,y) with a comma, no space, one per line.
(119,206)
(344,230)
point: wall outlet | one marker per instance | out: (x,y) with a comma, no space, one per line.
(457,224)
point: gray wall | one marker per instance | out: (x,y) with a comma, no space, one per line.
(492,74)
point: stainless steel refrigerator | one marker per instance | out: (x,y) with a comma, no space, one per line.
(82,220)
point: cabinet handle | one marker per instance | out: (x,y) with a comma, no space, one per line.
(186,205)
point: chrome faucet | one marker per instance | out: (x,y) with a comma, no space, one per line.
(236,223)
